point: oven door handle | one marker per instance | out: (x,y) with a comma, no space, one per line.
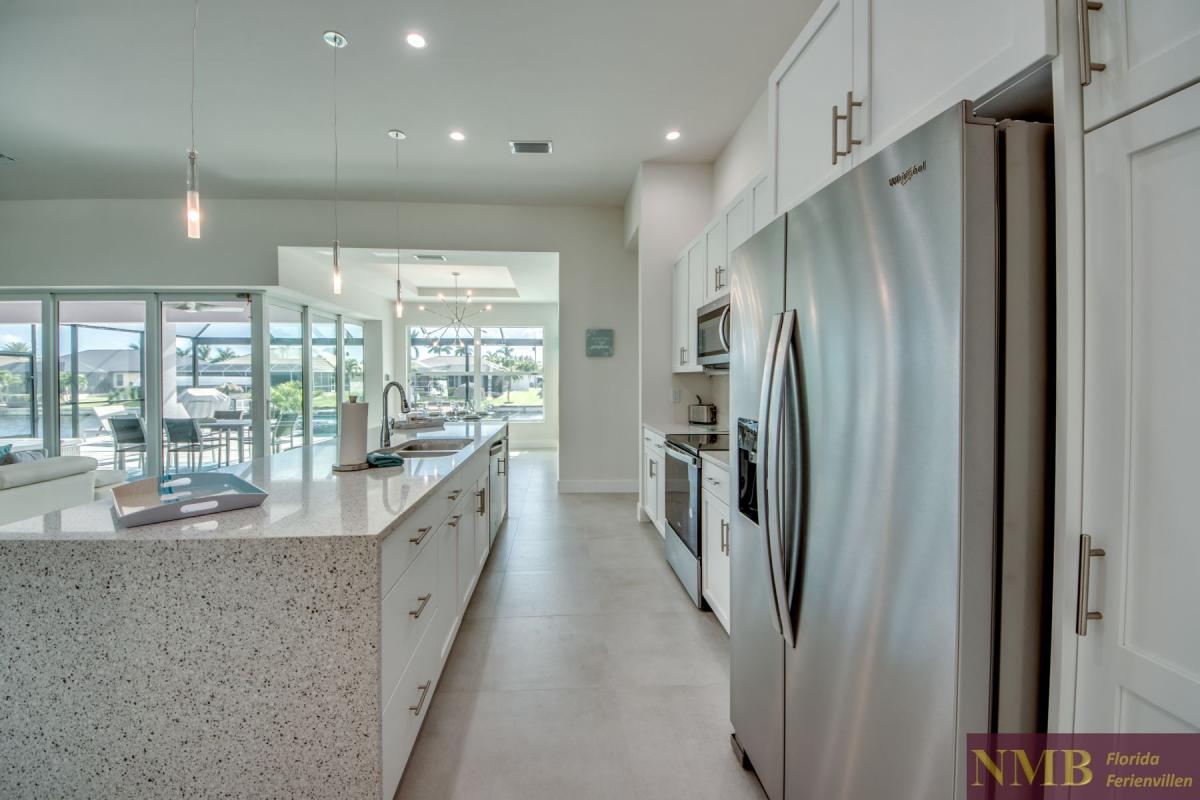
(675,452)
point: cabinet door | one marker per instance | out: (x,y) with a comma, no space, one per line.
(737,230)
(1138,665)
(660,489)
(483,531)
(714,517)
(679,305)
(914,59)
(448,596)
(697,272)
(1149,49)
(812,79)
(463,526)
(762,203)
(649,487)
(716,252)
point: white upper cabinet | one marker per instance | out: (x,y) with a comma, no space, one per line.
(915,58)
(806,87)
(697,273)
(865,72)
(737,230)
(1148,48)
(682,357)
(716,274)
(762,203)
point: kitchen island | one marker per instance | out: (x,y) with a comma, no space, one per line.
(289,650)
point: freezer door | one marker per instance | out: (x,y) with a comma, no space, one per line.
(891,273)
(756,646)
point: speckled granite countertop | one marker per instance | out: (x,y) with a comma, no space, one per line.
(307,499)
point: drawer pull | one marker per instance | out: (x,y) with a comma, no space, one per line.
(421,534)
(453,521)
(454,495)
(420,608)
(482,509)
(424,690)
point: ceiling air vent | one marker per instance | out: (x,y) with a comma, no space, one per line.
(531,148)
(428,257)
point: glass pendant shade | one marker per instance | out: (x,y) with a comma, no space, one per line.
(399,303)
(337,268)
(193,198)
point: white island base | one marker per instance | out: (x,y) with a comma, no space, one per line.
(288,651)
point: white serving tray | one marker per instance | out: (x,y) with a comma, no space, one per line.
(176,497)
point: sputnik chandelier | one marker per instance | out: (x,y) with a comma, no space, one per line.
(456,315)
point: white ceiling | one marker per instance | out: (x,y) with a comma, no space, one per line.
(95,94)
(492,276)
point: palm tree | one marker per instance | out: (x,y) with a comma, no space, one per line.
(224,354)
(16,348)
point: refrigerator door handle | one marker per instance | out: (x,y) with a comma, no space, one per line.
(794,482)
(763,457)
(776,476)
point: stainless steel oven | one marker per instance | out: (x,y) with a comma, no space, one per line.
(683,518)
(712,334)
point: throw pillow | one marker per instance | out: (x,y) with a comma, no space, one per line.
(24,457)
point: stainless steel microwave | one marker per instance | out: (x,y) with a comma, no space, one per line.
(712,334)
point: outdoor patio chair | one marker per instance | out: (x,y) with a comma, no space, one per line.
(184,436)
(283,429)
(224,414)
(129,436)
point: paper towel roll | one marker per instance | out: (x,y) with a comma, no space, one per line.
(352,440)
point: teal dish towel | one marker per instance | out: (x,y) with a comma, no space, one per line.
(385,460)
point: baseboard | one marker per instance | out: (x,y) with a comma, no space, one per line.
(598,487)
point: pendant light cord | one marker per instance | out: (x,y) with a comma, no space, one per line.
(195,22)
(397,219)
(335,146)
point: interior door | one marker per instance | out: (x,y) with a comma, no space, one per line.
(1139,666)
(1149,48)
(812,78)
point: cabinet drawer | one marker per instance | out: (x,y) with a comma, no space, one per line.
(407,609)
(407,541)
(715,480)
(405,710)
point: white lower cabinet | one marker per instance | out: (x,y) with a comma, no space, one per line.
(714,543)
(437,557)
(654,483)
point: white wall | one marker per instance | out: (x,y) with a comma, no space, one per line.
(140,243)
(744,156)
(522,434)
(675,201)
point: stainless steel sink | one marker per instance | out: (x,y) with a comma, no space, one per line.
(429,448)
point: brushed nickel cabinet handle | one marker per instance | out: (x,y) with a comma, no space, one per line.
(454,495)
(1086,554)
(453,521)
(424,601)
(482,508)
(725,537)
(424,690)
(851,104)
(833,138)
(1086,65)
(682,356)
(421,534)
(502,466)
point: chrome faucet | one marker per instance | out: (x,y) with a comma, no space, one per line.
(385,433)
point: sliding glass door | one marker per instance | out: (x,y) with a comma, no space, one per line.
(21,373)
(324,360)
(101,365)
(208,365)
(285,356)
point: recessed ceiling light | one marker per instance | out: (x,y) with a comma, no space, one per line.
(673,135)
(397,134)
(335,39)
(458,136)
(415,40)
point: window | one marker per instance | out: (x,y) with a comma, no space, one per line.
(324,360)
(20,369)
(285,357)
(353,359)
(497,371)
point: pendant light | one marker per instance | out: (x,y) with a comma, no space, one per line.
(192,203)
(397,135)
(337,42)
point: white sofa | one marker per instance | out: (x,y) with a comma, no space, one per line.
(32,488)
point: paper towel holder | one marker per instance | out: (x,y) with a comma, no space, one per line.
(354,467)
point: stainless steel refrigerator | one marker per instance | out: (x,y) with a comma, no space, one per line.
(890,390)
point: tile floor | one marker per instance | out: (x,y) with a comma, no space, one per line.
(581,669)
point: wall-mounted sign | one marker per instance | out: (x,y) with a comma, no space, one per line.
(599,342)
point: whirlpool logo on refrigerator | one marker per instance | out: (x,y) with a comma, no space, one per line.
(1024,766)
(907,175)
